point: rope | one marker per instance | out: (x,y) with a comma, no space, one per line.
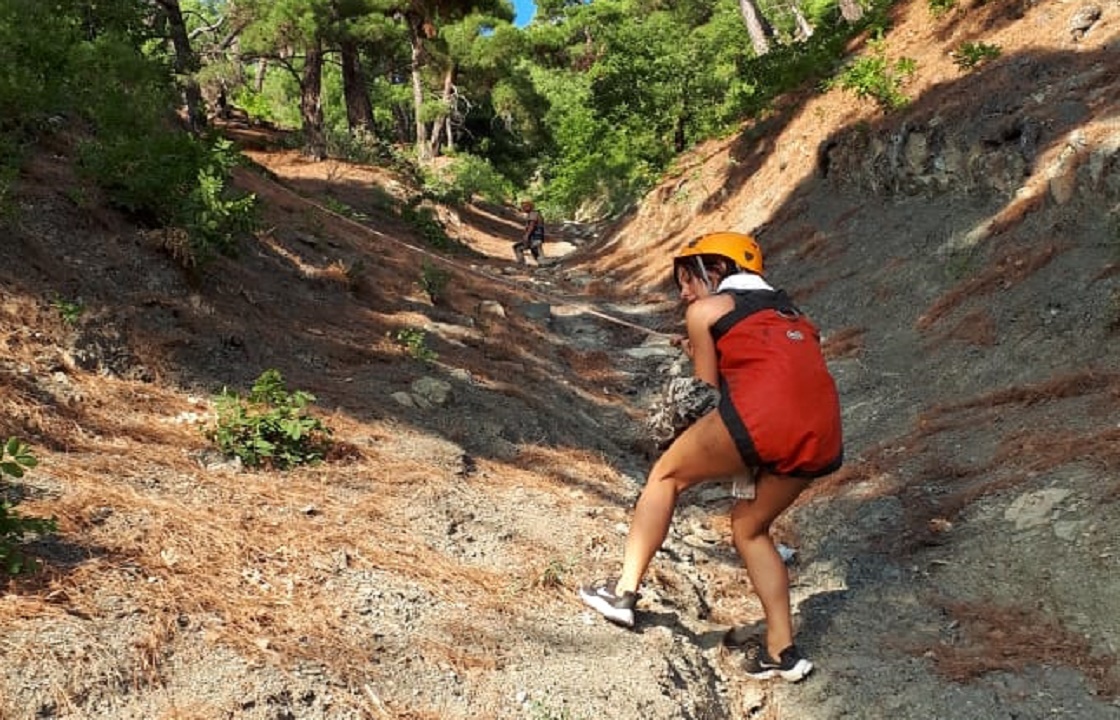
(539,294)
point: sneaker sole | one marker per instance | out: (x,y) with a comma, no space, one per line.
(616,615)
(797,673)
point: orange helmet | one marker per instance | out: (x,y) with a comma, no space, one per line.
(739,248)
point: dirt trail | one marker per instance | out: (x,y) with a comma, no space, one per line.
(963,564)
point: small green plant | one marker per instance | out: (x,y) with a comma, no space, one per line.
(414,340)
(971,55)
(15,457)
(874,76)
(553,574)
(69,311)
(433,280)
(467,177)
(959,264)
(424,219)
(337,206)
(213,214)
(271,426)
(355,272)
(939,7)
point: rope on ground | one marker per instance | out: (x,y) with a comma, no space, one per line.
(553,299)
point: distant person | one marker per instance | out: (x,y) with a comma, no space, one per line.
(532,237)
(778,417)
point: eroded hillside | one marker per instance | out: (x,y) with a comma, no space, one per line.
(959,254)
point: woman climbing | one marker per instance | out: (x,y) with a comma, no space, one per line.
(532,236)
(778,417)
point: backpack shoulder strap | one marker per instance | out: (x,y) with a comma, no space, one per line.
(749,302)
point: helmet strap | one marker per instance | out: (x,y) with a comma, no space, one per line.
(704,273)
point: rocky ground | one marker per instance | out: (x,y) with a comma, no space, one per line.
(961,257)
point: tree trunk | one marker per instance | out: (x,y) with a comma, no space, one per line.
(311,102)
(359,109)
(442,126)
(804,28)
(262,70)
(760,31)
(422,151)
(186,64)
(851,10)
(403,122)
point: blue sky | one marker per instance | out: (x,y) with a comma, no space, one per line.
(524,10)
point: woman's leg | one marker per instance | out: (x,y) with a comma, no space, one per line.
(750,528)
(702,452)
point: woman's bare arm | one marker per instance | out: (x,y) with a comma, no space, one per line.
(699,318)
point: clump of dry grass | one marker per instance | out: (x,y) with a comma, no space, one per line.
(977,328)
(1001,638)
(1020,454)
(844,343)
(1015,265)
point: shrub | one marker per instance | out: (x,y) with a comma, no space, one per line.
(874,76)
(425,221)
(70,311)
(468,176)
(270,427)
(414,340)
(213,215)
(169,179)
(14,458)
(939,7)
(972,54)
(433,280)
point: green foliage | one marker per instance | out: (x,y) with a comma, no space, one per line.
(75,62)
(654,81)
(69,311)
(940,7)
(552,576)
(170,179)
(873,76)
(271,426)
(433,280)
(414,340)
(356,147)
(213,215)
(337,206)
(15,457)
(424,219)
(971,55)
(467,177)
(961,262)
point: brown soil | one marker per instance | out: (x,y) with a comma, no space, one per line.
(962,564)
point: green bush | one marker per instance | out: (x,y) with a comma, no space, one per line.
(939,7)
(169,179)
(425,221)
(873,76)
(271,426)
(467,177)
(414,341)
(70,311)
(14,458)
(214,215)
(972,54)
(433,280)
